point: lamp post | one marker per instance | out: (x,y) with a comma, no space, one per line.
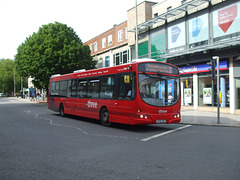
(218,99)
(136,32)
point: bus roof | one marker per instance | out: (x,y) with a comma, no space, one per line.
(103,71)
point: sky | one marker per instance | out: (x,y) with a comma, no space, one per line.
(19,19)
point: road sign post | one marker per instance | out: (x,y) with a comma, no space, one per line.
(218,99)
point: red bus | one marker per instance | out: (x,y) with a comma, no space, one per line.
(142,92)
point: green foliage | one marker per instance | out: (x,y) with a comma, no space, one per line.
(7,71)
(54,49)
(6,75)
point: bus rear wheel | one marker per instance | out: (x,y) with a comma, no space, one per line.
(104,117)
(61,110)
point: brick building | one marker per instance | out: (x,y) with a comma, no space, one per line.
(111,47)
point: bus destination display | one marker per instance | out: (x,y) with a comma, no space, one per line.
(158,68)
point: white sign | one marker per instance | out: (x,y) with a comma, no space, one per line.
(188,96)
(207,95)
(198,29)
(226,20)
(176,35)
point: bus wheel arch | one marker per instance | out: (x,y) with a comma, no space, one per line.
(104,116)
(61,110)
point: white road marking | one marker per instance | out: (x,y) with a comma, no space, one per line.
(77,128)
(162,134)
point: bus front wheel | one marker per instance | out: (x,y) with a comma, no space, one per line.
(61,110)
(104,117)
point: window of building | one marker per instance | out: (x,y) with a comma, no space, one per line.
(117,59)
(187,96)
(109,40)
(107,61)
(156,15)
(120,36)
(95,47)
(100,63)
(126,33)
(143,46)
(237,93)
(208,96)
(103,42)
(121,58)
(125,57)
(90,47)
(157,44)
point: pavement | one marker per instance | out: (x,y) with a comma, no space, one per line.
(209,118)
(193,117)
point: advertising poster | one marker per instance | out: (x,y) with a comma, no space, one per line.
(226,20)
(198,29)
(188,95)
(176,35)
(207,95)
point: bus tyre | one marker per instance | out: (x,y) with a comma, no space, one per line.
(104,117)
(61,110)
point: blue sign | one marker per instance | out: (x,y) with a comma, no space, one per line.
(175,33)
(197,25)
(223,65)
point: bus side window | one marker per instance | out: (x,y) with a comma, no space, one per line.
(107,86)
(69,88)
(82,88)
(93,88)
(74,88)
(52,86)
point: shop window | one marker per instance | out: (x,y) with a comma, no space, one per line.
(187,91)
(208,96)
(238,93)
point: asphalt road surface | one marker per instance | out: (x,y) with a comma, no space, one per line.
(36,143)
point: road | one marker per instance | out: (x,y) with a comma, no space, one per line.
(36,143)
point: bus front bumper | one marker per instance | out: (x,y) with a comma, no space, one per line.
(167,118)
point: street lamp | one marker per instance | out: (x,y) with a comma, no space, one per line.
(136,43)
(218,99)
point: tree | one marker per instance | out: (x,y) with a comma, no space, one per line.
(54,49)
(7,73)
(6,76)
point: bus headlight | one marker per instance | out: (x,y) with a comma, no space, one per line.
(143,116)
(176,116)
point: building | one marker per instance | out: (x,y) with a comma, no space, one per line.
(188,33)
(117,45)
(111,47)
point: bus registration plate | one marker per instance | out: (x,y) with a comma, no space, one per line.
(161,121)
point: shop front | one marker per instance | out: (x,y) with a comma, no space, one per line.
(199,90)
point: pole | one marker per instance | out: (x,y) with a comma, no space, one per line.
(136,32)
(218,99)
(14,82)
